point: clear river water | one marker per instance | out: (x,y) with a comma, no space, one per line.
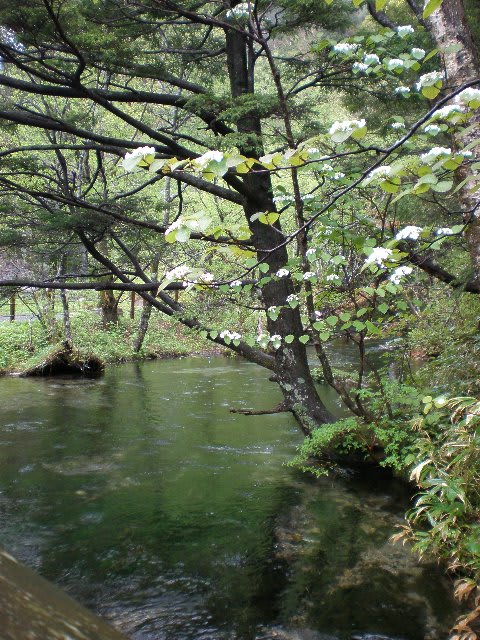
(143,497)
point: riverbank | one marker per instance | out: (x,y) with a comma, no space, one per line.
(24,344)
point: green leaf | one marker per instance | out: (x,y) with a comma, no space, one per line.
(430,55)
(383,308)
(317,325)
(304,339)
(361,312)
(213,334)
(268,218)
(430,7)
(263,267)
(372,328)
(430,92)
(358,325)
(442,187)
(379,4)
(204,334)
(290,338)
(344,317)
(332,320)
(324,336)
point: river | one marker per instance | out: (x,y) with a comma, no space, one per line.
(144,498)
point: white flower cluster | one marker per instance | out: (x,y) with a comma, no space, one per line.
(284,199)
(417,53)
(206,158)
(178,273)
(282,273)
(405,30)
(176,224)
(435,153)
(338,176)
(444,231)
(347,125)
(131,159)
(397,125)
(371,58)
(309,274)
(308,196)
(400,273)
(346,48)
(448,110)
(378,256)
(402,90)
(409,233)
(360,66)
(332,276)
(236,283)
(429,79)
(395,63)
(468,95)
(311,252)
(292,298)
(231,335)
(242,10)
(432,129)
(379,173)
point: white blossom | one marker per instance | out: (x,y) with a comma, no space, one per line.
(292,298)
(276,340)
(346,48)
(178,273)
(444,231)
(409,233)
(429,79)
(347,125)
(309,274)
(236,283)
(378,173)
(435,153)
(399,273)
(242,10)
(132,158)
(282,273)
(209,156)
(359,66)
(326,167)
(308,196)
(468,95)
(404,30)
(338,176)
(313,150)
(272,309)
(284,198)
(378,255)
(231,335)
(417,53)
(395,63)
(332,276)
(447,111)
(402,90)
(397,125)
(371,58)
(432,129)
(311,252)
(176,224)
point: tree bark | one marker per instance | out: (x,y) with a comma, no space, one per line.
(291,365)
(448,26)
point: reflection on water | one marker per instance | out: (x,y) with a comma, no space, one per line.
(142,496)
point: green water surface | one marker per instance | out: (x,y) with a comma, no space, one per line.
(147,500)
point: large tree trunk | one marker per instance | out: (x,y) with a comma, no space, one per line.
(448,26)
(291,366)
